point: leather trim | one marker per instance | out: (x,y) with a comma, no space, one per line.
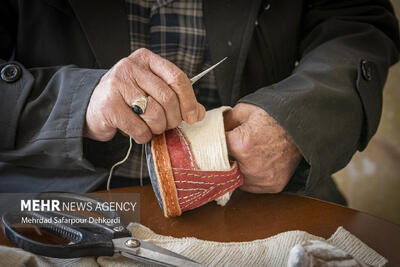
(166,181)
(180,150)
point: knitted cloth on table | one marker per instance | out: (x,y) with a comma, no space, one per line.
(272,251)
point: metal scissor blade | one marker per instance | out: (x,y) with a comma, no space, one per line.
(201,74)
(149,253)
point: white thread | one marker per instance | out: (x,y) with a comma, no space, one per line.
(193,189)
(189,196)
(206,140)
(119,163)
(141,166)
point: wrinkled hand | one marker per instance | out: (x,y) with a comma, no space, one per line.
(170,94)
(266,155)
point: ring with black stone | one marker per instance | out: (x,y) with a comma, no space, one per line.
(139,105)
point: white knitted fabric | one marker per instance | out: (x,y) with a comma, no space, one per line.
(207,140)
(272,251)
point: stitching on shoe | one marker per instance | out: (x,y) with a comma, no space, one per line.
(197,197)
(191,189)
(205,176)
(194,194)
(233,169)
(210,189)
(194,182)
(224,191)
(213,196)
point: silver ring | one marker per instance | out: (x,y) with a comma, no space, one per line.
(139,105)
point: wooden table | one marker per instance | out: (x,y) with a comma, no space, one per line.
(249,216)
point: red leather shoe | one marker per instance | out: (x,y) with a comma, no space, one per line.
(184,179)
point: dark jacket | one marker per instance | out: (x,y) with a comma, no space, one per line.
(330,103)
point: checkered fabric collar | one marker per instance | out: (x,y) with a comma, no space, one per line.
(171,28)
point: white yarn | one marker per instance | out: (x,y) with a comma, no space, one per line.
(120,162)
(208,142)
(222,200)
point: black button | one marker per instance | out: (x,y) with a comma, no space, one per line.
(10,73)
(366,70)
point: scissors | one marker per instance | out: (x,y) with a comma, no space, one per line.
(87,239)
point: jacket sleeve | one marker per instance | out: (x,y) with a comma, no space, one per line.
(42,113)
(331,104)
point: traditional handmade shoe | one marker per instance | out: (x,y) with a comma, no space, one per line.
(189,166)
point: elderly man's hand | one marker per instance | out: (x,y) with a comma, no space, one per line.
(170,99)
(266,155)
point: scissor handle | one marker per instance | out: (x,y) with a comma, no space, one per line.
(87,239)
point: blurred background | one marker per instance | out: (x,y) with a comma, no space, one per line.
(371,181)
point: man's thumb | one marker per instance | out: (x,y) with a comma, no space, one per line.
(231,119)
(234,142)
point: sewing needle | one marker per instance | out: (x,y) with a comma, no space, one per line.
(201,74)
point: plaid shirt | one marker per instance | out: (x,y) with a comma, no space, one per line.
(173,29)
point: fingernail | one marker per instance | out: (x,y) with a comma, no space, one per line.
(192,116)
